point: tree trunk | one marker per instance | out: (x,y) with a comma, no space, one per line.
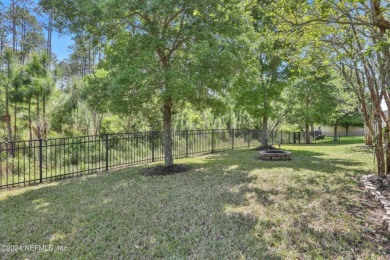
(387,150)
(307,133)
(100,124)
(376,93)
(386,83)
(9,130)
(1,50)
(167,131)
(38,120)
(49,34)
(97,122)
(15,120)
(29,120)
(89,56)
(13,26)
(167,112)
(7,112)
(44,124)
(335,132)
(379,151)
(23,41)
(387,134)
(359,90)
(264,132)
(367,136)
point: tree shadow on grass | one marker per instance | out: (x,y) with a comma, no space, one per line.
(229,206)
(307,199)
(302,160)
(309,174)
(332,142)
(125,215)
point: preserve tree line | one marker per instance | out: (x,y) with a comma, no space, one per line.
(188,64)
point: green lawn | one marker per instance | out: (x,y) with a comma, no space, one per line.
(229,206)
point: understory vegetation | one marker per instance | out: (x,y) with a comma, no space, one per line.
(175,65)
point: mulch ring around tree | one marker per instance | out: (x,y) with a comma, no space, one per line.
(162,170)
(382,184)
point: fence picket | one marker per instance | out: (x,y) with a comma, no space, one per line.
(37,161)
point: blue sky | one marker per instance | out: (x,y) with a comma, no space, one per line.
(60,45)
(60,42)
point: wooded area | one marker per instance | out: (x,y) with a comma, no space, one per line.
(174,65)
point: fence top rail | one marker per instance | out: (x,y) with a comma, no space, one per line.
(20,141)
(201,131)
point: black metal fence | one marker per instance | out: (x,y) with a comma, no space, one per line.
(287,137)
(37,161)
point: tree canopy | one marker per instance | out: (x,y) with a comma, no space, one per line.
(170,64)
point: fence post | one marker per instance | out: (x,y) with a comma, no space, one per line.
(249,140)
(40,161)
(339,138)
(212,141)
(260,137)
(152,140)
(233,139)
(107,152)
(187,143)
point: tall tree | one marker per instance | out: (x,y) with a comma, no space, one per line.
(346,112)
(49,34)
(9,76)
(272,50)
(368,26)
(174,51)
(42,83)
(95,94)
(312,96)
(20,20)
(4,30)
(31,36)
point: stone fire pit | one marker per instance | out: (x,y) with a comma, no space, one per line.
(275,155)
